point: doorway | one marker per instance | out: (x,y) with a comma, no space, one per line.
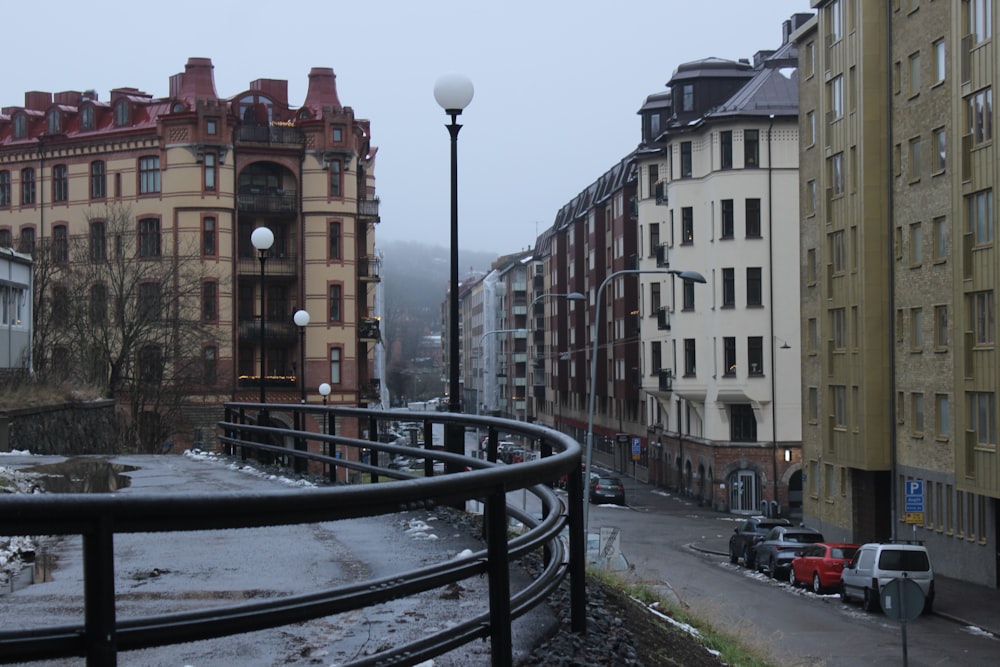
(744,492)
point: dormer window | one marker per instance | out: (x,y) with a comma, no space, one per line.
(687,97)
(122,113)
(55,121)
(87,118)
(178,107)
(20,126)
(305,114)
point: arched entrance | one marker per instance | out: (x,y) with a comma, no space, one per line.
(795,495)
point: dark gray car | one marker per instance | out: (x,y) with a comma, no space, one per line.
(775,553)
(747,534)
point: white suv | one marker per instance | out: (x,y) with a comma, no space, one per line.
(875,565)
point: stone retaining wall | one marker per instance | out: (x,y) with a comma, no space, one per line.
(62,429)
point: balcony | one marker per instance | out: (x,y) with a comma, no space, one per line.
(273,381)
(369,330)
(666,380)
(272,202)
(368,270)
(278,265)
(368,210)
(663,255)
(271,135)
(274,330)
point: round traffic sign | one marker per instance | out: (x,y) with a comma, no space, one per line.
(902,599)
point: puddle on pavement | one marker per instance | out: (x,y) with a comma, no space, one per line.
(81,475)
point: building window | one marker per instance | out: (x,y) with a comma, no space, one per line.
(811,197)
(150,364)
(917,412)
(60,244)
(27,186)
(835,166)
(209,301)
(979,217)
(208,237)
(337,133)
(751,148)
(687,289)
(654,238)
(6,239)
(728,288)
(729,356)
(813,405)
(149,237)
(60,305)
(940,327)
(839,406)
(915,156)
(122,114)
(979,111)
(728,225)
(211,126)
(942,416)
(838,328)
(336,184)
(753,218)
(726,149)
(687,97)
(98,180)
(755,296)
(939,61)
(686,166)
(211,169)
(810,128)
(835,97)
(652,176)
(982,418)
(150,307)
(755,355)
(689,357)
(27,244)
(916,329)
(981,320)
(87,118)
(834,21)
(980,13)
(5,199)
(60,183)
(336,303)
(939,150)
(149,174)
(914,73)
(98,309)
(742,423)
(335,241)
(687,225)
(837,251)
(55,122)
(98,241)
(209,356)
(916,244)
(940,239)
(335,360)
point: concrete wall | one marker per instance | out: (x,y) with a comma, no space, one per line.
(63,429)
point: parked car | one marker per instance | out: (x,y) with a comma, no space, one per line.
(607,490)
(874,565)
(819,565)
(775,552)
(747,534)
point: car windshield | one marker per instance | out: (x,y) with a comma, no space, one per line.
(841,552)
(904,559)
(804,538)
(608,481)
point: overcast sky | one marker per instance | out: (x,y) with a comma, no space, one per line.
(557,82)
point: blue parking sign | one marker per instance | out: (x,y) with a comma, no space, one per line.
(914,495)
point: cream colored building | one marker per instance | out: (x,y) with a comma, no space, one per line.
(198,173)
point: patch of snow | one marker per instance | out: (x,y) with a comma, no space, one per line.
(973,630)
(419,530)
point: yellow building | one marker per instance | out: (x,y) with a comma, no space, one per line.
(180,182)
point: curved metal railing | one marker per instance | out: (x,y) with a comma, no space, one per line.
(99,517)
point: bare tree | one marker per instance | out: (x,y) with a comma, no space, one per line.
(125,312)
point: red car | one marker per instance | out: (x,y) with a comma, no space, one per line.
(819,565)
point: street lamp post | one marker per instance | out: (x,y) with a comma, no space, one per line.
(262,239)
(301,319)
(571,296)
(687,276)
(453,93)
(324,391)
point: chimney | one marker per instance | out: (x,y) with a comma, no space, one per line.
(322,89)
(196,81)
(37,100)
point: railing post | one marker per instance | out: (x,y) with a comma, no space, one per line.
(577,551)
(243,436)
(301,444)
(99,594)
(330,427)
(498,572)
(428,444)
(373,437)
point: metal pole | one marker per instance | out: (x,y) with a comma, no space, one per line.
(263,354)
(454,436)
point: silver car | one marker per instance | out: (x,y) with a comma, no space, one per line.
(875,565)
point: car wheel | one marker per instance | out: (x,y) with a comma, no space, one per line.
(748,557)
(791,578)
(817,586)
(733,558)
(870,602)
(844,597)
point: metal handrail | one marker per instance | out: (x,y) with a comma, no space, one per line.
(98,517)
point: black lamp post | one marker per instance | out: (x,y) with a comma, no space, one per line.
(262,239)
(453,93)
(301,319)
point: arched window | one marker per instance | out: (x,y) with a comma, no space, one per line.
(60,244)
